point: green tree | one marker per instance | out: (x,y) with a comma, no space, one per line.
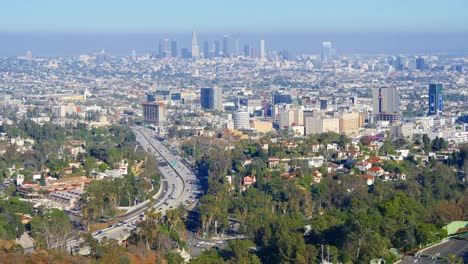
(174,258)
(426,143)
(42,181)
(52,229)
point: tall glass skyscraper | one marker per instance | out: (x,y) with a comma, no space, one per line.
(206,49)
(435,99)
(164,48)
(217,48)
(174,48)
(226,46)
(211,98)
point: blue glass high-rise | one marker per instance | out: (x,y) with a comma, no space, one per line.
(435,99)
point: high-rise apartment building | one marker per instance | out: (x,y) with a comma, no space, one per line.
(241,120)
(386,104)
(318,125)
(286,118)
(154,113)
(435,99)
(350,123)
(385,100)
(211,98)
(298,117)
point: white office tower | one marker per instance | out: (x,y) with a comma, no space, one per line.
(195,47)
(262,49)
(327,52)
(241,120)
(218,98)
(385,100)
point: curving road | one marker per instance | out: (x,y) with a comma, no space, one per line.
(178,183)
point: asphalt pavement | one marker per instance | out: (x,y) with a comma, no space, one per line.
(179,188)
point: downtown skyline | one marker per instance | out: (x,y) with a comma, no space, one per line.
(119,44)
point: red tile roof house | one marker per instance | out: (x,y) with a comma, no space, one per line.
(376,171)
(317,177)
(369,178)
(288,176)
(289,144)
(273,162)
(363,166)
(332,167)
(248,181)
(374,160)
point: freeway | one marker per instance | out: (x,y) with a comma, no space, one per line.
(178,187)
(438,253)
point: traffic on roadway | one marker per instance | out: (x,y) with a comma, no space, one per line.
(178,183)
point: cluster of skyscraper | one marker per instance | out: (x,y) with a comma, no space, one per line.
(289,115)
(386,102)
(168,48)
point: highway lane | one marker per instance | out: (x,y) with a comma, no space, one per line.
(180,180)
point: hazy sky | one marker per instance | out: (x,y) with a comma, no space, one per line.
(234,15)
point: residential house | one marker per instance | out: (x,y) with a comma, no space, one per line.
(376,171)
(370,179)
(248,181)
(316,162)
